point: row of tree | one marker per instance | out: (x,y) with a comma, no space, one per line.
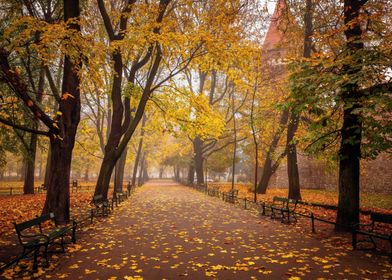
(114,87)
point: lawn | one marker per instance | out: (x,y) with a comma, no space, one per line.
(368,200)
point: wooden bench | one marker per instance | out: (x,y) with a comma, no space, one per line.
(371,231)
(42,188)
(75,186)
(32,240)
(231,196)
(102,205)
(213,191)
(283,208)
(119,197)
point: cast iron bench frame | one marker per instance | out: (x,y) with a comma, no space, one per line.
(231,196)
(102,205)
(33,242)
(369,230)
(285,207)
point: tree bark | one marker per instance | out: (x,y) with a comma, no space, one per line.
(139,150)
(234,148)
(140,178)
(266,175)
(47,167)
(28,186)
(351,132)
(254,136)
(121,134)
(269,168)
(86,174)
(145,172)
(57,197)
(191,172)
(198,159)
(119,172)
(161,172)
(292,162)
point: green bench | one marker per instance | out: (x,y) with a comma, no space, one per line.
(283,208)
(119,197)
(32,236)
(42,188)
(370,231)
(102,205)
(231,196)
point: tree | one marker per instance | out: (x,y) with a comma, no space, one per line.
(344,90)
(62,129)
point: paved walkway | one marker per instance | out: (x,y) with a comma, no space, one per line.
(167,231)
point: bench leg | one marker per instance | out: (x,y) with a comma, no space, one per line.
(23,254)
(35,263)
(74,232)
(282,213)
(46,255)
(62,244)
(354,240)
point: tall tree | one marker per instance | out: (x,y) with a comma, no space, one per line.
(351,131)
(62,129)
(57,198)
(139,151)
(292,161)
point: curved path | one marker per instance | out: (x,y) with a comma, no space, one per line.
(168,231)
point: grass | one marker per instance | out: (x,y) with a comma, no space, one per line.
(368,200)
(17,186)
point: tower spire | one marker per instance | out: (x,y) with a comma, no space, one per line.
(274,35)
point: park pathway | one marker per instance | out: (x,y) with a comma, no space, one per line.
(168,231)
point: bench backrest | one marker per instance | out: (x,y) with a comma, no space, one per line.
(381,218)
(233,192)
(33,222)
(286,202)
(98,198)
(279,199)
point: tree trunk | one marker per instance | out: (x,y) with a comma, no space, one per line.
(110,155)
(57,197)
(351,132)
(198,149)
(269,168)
(28,186)
(40,174)
(119,172)
(161,172)
(139,151)
(266,175)
(292,163)
(140,178)
(47,167)
(191,172)
(254,136)
(121,134)
(234,148)
(145,172)
(22,169)
(86,171)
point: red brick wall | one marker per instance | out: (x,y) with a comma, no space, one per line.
(376,175)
